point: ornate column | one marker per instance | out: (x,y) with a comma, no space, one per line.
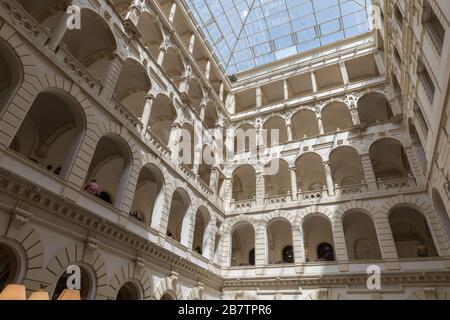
(286,90)
(145,119)
(344,73)
(132,19)
(221,91)
(289,130)
(260,245)
(314,83)
(259,187)
(294,190)
(192,44)
(328,177)
(173,11)
(228,188)
(297,244)
(258,97)
(320,123)
(214,180)
(59,31)
(203,106)
(208,69)
(174,140)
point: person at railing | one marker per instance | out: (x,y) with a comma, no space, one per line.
(93,187)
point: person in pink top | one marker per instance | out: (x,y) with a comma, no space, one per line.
(92,187)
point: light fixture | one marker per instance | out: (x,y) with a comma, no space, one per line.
(70,294)
(39,295)
(13,292)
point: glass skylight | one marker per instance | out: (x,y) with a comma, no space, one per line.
(248,33)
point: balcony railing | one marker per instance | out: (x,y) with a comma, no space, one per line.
(397,183)
(243,204)
(351,190)
(277,200)
(312,195)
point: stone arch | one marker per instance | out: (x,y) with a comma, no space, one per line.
(304,123)
(95,53)
(18,234)
(152,36)
(275,123)
(430,294)
(195,293)
(163,115)
(88,255)
(55,142)
(336,115)
(372,107)
(427,210)
(173,65)
(168,284)
(346,166)
(133,85)
(134,273)
(326,294)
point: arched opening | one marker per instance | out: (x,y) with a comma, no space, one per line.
(205,167)
(202,232)
(93,45)
(335,117)
(51,131)
(178,225)
(277,178)
(442,211)
(152,37)
(244,183)
(129,291)
(304,124)
(243,245)
(411,233)
(168,295)
(47,12)
(275,132)
(9,266)
(318,239)
(389,160)
(173,66)
(244,139)
(162,117)
(132,87)
(195,93)
(417,144)
(187,144)
(87,283)
(374,107)
(310,172)
(360,236)
(346,167)
(148,197)
(211,116)
(279,239)
(10,73)
(109,170)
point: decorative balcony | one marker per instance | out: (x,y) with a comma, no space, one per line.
(242,205)
(397,183)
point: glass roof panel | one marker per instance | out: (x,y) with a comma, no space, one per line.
(248,33)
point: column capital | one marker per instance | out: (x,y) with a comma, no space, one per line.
(150,96)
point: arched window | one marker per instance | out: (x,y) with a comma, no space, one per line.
(276,178)
(288,254)
(9,266)
(318,238)
(389,160)
(346,167)
(275,132)
(151,32)
(51,131)
(304,124)
(325,252)
(310,172)
(178,225)
(242,243)
(251,257)
(162,117)
(96,55)
(109,170)
(87,284)
(129,291)
(373,107)
(279,237)
(173,66)
(360,236)
(244,183)
(10,73)
(202,231)
(336,116)
(148,196)
(411,233)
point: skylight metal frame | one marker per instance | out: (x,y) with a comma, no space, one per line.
(247,33)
